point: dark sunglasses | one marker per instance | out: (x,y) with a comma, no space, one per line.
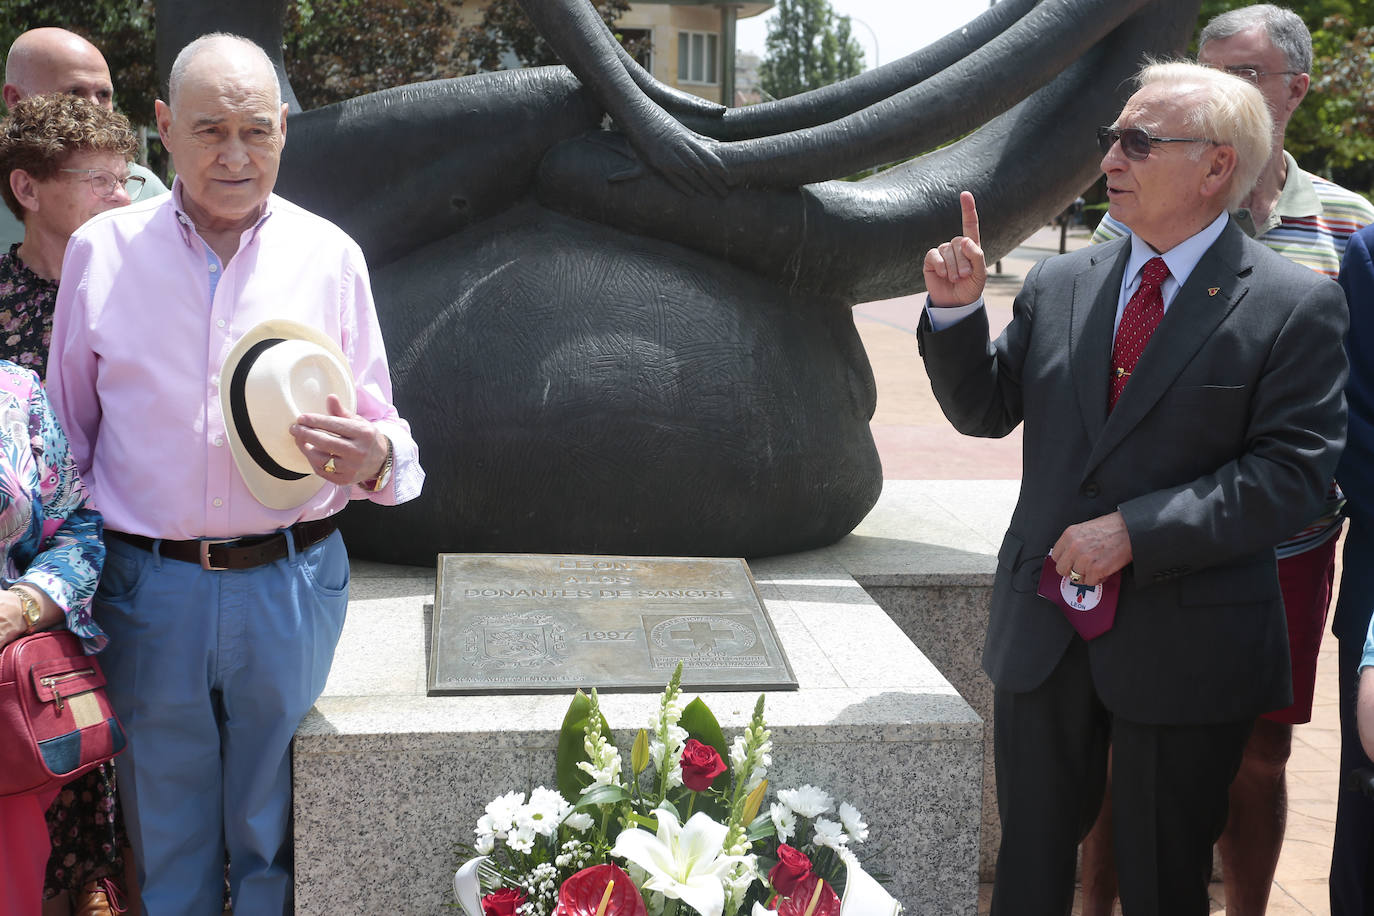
(1135,142)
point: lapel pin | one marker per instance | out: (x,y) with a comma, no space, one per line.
(1213,290)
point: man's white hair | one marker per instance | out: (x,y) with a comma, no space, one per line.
(209,41)
(1223,108)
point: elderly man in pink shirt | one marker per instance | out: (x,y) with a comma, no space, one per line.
(223,612)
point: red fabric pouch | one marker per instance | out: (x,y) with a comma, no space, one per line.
(55,720)
(1091,609)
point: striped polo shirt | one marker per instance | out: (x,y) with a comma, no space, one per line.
(1310,225)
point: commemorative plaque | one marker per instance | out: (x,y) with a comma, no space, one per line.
(528,623)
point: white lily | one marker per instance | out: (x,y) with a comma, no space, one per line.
(683,862)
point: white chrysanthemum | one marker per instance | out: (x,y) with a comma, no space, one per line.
(486,842)
(808,801)
(545,811)
(521,839)
(579,821)
(853,822)
(784,821)
(502,811)
(829,833)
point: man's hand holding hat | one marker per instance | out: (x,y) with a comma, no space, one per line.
(341,446)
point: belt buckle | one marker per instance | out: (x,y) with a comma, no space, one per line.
(205,554)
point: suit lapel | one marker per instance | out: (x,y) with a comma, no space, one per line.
(1095,294)
(1213,290)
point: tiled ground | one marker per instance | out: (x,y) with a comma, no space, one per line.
(916,442)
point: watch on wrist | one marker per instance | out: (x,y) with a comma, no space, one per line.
(29,607)
(384,475)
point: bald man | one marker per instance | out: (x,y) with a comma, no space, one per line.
(231,581)
(48,60)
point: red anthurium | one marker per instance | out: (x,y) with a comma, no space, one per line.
(581,894)
(827,905)
(701,764)
(503,902)
(793,867)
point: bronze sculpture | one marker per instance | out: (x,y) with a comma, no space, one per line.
(599,357)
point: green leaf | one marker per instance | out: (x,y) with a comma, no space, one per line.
(761,827)
(701,724)
(572,749)
(602,795)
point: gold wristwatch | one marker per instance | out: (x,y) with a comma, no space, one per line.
(30,608)
(384,475)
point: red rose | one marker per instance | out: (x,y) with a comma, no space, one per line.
(792,869)
(502,902)
(700,765)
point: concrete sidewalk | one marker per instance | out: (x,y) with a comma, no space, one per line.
(916,443)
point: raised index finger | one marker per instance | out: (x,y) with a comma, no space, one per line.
(970,216)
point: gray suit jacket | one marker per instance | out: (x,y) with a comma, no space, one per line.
(1221,445)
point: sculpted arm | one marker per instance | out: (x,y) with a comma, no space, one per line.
(688,161)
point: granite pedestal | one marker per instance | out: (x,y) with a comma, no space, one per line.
(388,779)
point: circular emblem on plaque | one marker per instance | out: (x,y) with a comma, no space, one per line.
(703,634)
(1079,597)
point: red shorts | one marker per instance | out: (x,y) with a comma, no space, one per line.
(1306,581)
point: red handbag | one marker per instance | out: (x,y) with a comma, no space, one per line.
(55,720)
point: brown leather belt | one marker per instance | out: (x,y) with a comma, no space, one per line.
(234,553)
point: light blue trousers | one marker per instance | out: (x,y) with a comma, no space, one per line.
(211,673)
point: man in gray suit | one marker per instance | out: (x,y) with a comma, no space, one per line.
(1181,391)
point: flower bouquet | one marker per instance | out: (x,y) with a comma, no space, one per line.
(683,832)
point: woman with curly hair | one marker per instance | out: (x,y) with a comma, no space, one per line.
(63,160)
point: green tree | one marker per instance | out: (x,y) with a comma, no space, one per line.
(121,29)
(808,46)
(505,30)
(1330,133)
(338,49)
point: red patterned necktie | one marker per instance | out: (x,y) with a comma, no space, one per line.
(1138,322)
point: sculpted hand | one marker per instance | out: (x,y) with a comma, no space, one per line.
(685,160)
(1094,549)
(356,447)
(956,271)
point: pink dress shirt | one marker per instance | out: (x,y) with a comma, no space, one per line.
(145,316)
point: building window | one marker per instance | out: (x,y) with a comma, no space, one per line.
(698,58)
(640,44)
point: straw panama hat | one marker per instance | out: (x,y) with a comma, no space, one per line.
(277,371)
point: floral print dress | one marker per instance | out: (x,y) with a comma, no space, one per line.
(50,539)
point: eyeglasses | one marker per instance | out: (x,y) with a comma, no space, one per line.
(1251,75)
(104,183)
(1136,142)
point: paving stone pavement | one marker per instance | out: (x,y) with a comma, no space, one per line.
(916,443)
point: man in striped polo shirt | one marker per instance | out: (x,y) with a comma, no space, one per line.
(1308,220)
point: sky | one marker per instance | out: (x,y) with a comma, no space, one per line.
(897,26)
